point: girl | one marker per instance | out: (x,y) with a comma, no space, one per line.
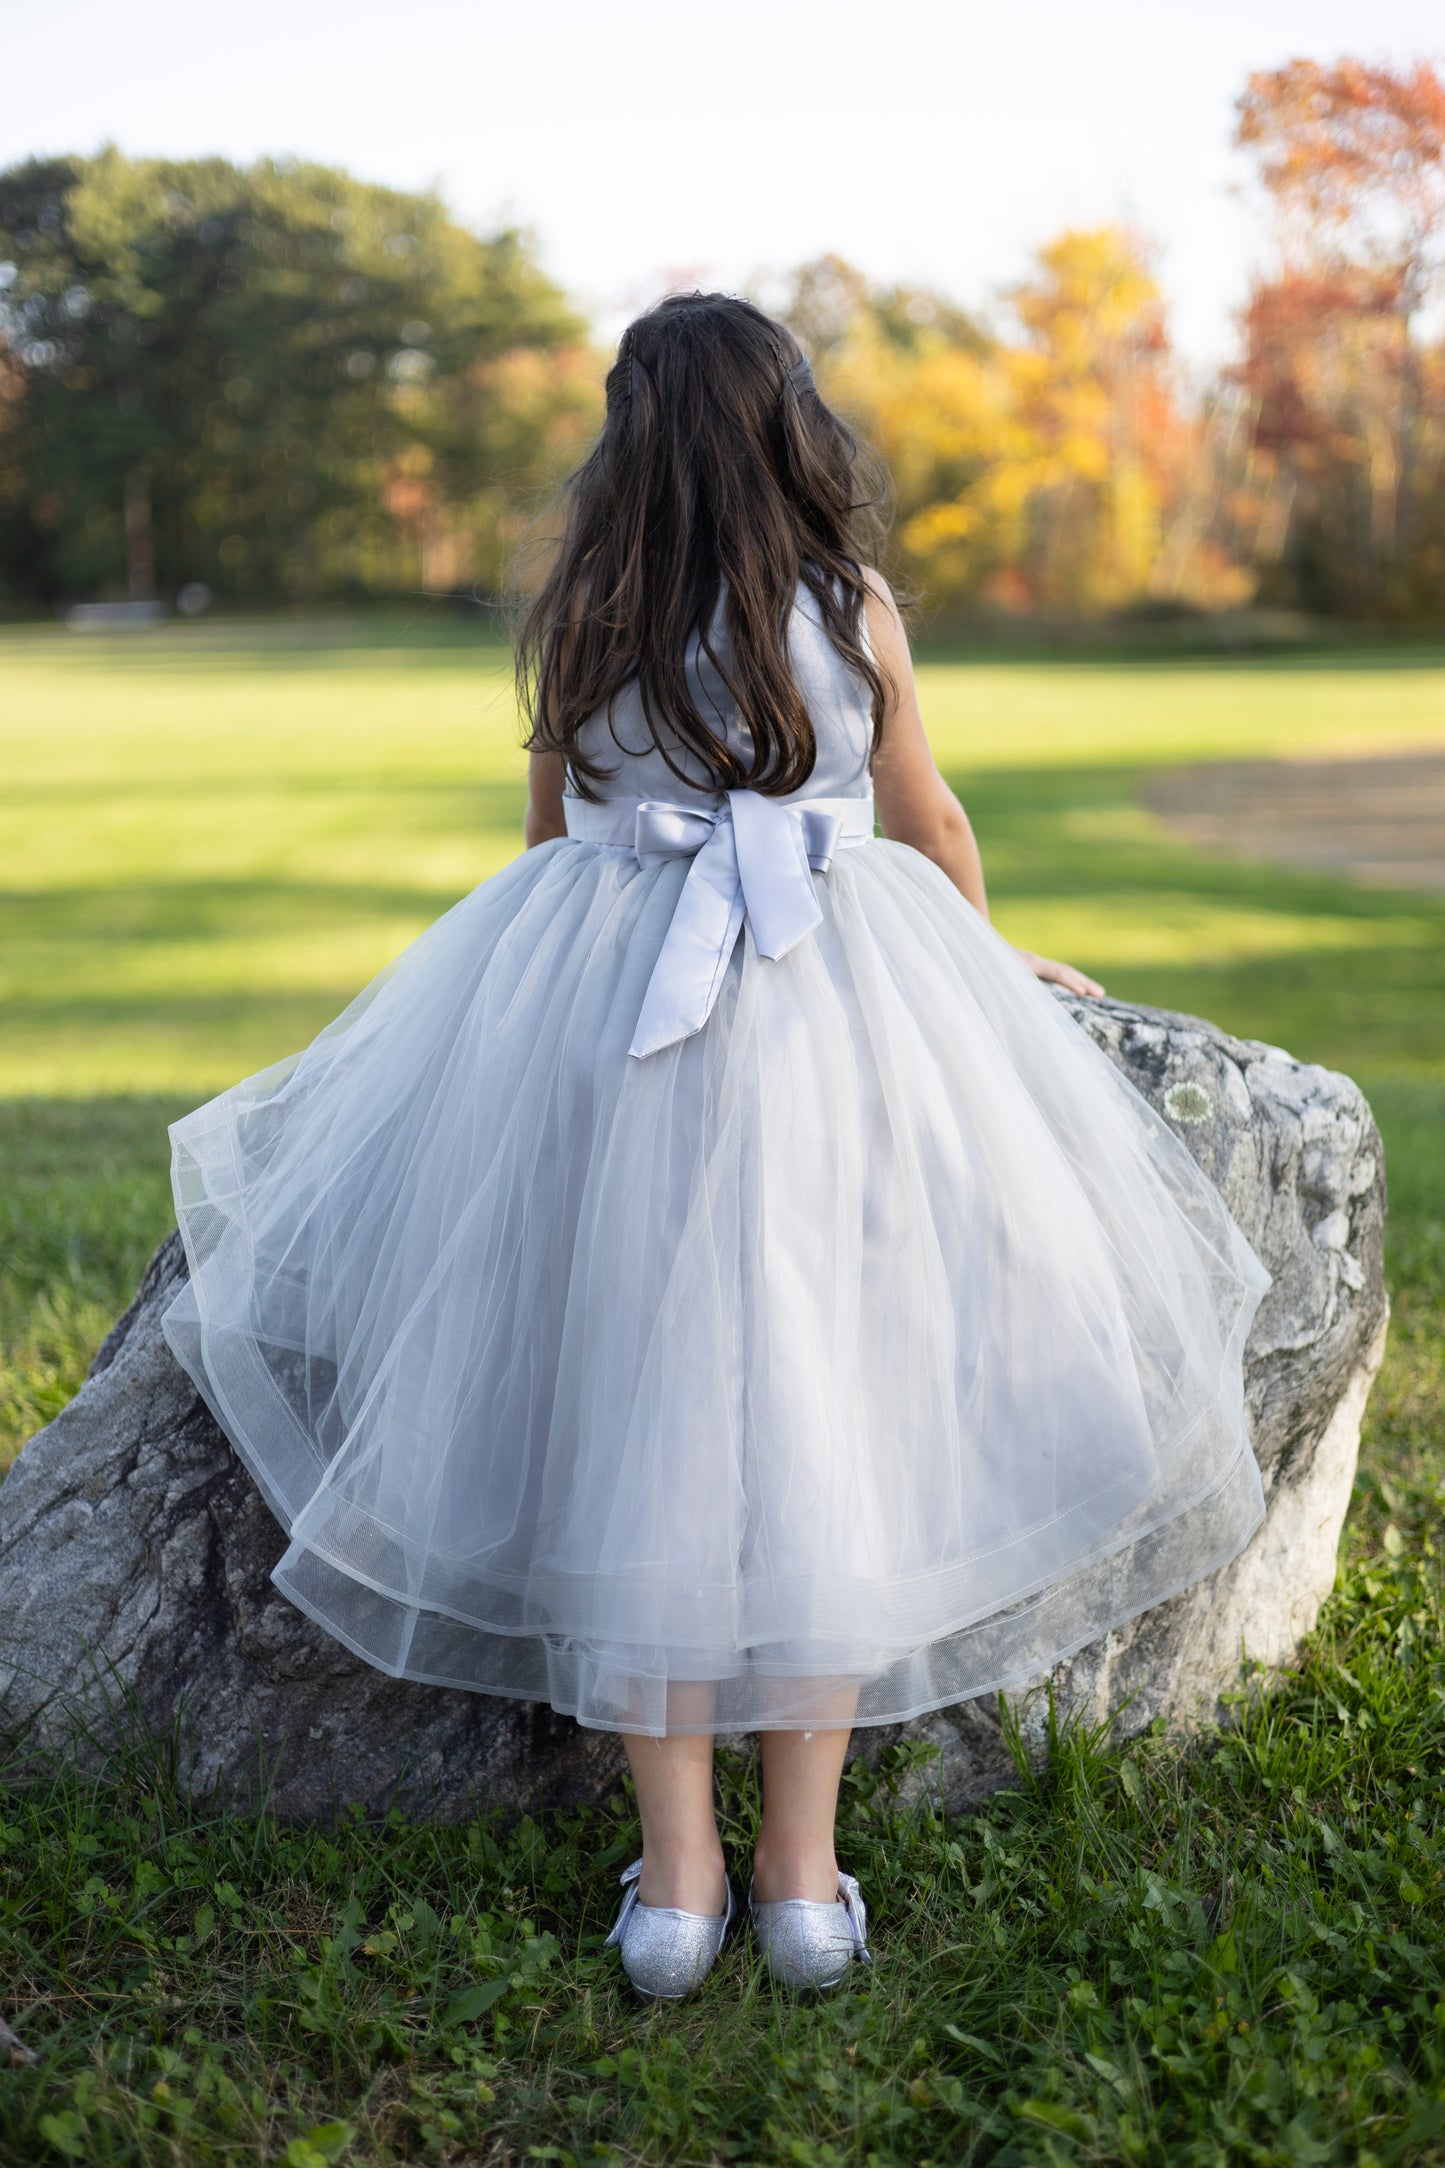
(708,1282)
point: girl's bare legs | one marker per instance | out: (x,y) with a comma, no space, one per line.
(795,1857)
(682,1855)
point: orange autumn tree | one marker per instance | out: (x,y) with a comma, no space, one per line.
(1348,392)
(931,390)
(1043,469)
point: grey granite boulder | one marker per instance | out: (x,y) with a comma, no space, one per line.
(135,1551)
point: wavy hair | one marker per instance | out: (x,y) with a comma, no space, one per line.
(718,470)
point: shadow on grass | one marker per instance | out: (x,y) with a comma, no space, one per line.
(1079,836)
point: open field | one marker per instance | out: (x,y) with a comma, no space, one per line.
(207,848)
(210,837)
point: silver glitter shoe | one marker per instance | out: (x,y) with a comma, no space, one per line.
(666,1953)
(812,1945)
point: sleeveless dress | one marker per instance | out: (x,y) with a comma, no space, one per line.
(708,1283)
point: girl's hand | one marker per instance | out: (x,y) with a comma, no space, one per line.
(1073,982)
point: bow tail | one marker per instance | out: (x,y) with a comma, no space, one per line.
(774,872)
(696,950)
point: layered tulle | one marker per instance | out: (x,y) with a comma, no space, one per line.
(868,1350)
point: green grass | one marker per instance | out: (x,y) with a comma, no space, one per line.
(1231,1952)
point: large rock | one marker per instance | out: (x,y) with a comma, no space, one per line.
(135,1550)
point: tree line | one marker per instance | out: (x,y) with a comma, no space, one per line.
(1061,465)
(288,385)
(276,381)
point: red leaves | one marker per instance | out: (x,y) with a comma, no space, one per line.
(1354,157)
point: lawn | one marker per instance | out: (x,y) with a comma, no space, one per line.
(210,838)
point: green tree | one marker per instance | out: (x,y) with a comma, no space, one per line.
(255,378)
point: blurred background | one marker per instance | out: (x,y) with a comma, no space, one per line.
(260,381)
(301,322)
(1141,328)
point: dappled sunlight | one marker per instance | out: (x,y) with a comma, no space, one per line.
(1112,932)
(300,961)
(184,1050)
(183,901)
(211,846)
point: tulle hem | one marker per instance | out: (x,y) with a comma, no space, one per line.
(610,1686)
(1016,1649)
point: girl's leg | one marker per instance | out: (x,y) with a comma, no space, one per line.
(795,1857)
(682,1855)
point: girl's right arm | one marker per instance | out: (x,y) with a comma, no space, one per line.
(915,805)
(546,778)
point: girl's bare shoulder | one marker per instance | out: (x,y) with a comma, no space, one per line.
(887,634)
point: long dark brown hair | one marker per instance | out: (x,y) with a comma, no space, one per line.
(718,469)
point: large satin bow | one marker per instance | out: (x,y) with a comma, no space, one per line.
(752,857)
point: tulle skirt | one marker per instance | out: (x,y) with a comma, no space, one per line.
(871,1349)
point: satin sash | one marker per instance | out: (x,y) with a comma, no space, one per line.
(753,857)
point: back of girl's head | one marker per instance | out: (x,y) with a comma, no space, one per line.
(718,470)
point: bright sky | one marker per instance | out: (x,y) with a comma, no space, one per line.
(642,141)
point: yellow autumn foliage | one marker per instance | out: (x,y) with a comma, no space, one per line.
(1040,469)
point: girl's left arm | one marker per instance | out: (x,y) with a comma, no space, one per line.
(545,817)
(915,804)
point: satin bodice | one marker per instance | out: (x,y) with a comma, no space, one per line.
(838,700)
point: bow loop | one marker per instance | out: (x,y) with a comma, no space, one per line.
(630,1879)
(822,832)
(856,1913)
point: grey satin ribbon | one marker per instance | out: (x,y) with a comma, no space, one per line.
(753,857)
